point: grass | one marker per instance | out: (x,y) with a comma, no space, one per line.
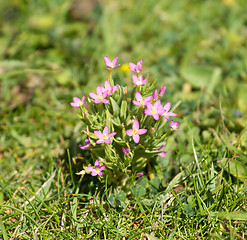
(196,48)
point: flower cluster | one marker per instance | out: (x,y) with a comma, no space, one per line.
(128,132)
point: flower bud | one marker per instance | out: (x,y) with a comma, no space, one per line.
(162,90)
(155,95)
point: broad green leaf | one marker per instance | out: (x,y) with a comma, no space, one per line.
(201,76)
(115,107)
(236,168)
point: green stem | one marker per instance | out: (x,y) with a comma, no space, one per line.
(110,78)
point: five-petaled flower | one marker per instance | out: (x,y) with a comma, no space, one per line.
(138,80)
(140,101)
(86,146)
(174,126)
(167,114)
(126,151)
(136,68)
(109,89)
(78,102)
(96,170)
(112,64)
(100,96)
(105,136)
(154,110)
(135,131)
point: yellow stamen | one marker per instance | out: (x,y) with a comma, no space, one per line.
(153,111)
(135,131)
(80,104)
(105,137)
(100,97)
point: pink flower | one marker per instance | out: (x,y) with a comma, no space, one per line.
(77,102)
(96,170)
(86,146)
(162,90)
(126,151)
(154,110)
(174,126)
(112,64)
(166,114)
(140,174)
(138,80)
(135,131)
(100,96)
(158,149)
(136,68)
(140,101)
(162,154)
(105,136)
(155,95)
(109,89)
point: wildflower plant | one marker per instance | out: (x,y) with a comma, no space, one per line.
(125,128)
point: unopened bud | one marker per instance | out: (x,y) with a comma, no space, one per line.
(162,90)
(155,95)
(125,91)
(152,130)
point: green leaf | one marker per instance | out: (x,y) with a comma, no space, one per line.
(201,76)
(236,168)
(188,210)
(123,111)
(115,107)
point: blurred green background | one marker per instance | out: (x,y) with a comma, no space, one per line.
(51,51)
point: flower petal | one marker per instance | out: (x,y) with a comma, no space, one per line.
(136,138)
(135,78)
(76,99)
(106,130)
(156,116)
(136,103)
(93,95)
(74,104)
(99,90)
(112,134)
(83,98)
(142,131)
(138,96)
(114,61)
(167,106)
(105,101)
(98,134)
(107,141)
(107,85)
(129,132)
(96,163)
(90,168)
(162,154)
(102,167)
(135,124)
(107,61)
(94,173)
